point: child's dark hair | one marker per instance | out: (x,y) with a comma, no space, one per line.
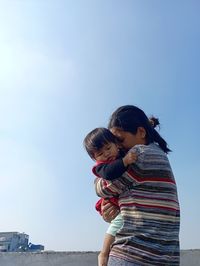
(96,139)
(130,117)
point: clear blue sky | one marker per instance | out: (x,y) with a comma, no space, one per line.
(65,66)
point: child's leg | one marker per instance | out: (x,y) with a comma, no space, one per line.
(104,254)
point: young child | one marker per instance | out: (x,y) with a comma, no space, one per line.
(103,147)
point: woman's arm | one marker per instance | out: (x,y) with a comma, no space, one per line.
(107,189)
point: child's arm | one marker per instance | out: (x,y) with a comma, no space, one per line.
(107,189)
(115,169)
(129,158)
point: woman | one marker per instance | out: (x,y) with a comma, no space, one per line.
(147,198)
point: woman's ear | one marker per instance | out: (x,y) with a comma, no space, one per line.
(142,132)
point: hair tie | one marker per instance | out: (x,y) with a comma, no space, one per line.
(154,122)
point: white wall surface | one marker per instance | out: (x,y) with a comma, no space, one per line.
(188,258)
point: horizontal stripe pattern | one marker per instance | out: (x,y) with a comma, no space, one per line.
(150,209)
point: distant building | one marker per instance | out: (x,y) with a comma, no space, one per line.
(17,242)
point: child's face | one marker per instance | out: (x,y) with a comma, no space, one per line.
(108,152)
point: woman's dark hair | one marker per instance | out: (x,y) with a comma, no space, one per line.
(96,139)
(130,117)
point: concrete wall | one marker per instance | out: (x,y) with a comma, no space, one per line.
(188,258)
(48,259)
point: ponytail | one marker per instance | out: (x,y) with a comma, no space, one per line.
(155,136)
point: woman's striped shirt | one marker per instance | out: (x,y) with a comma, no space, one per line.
(150,209)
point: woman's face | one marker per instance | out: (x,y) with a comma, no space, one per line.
(128,139)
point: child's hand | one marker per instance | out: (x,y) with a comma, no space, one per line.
(129,158)
(102,259)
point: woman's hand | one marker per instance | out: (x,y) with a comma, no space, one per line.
(109,211)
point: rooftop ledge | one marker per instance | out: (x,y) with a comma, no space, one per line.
(75,258)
